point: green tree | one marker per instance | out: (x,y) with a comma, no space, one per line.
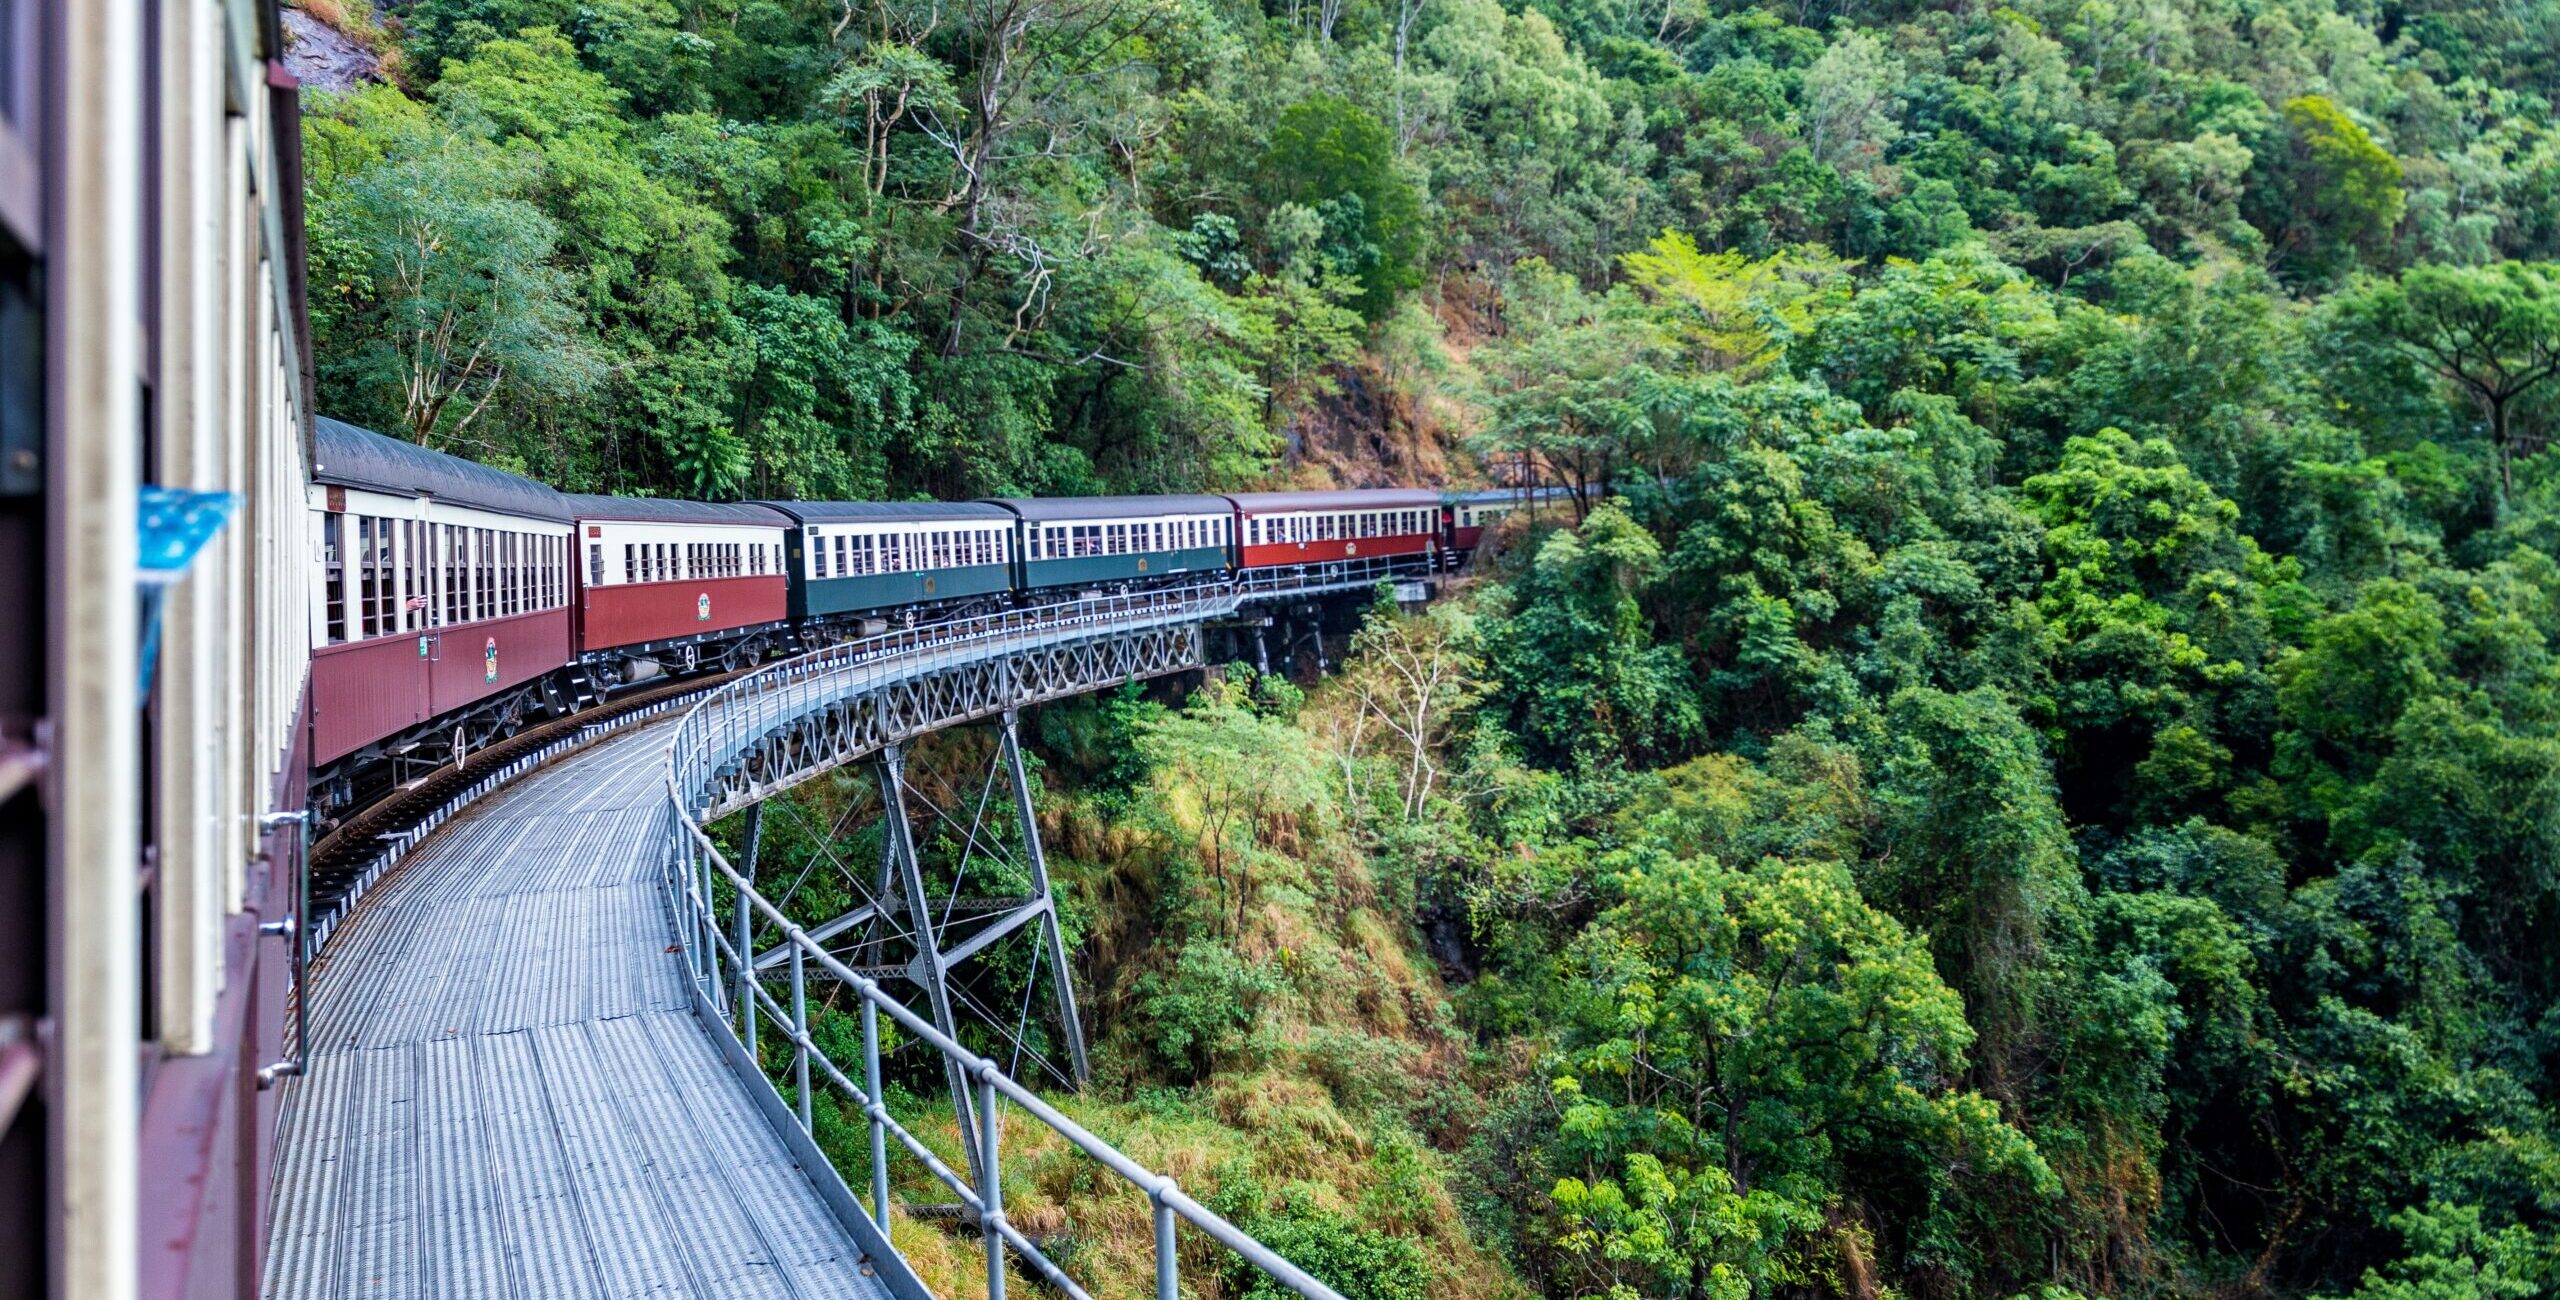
(2342,190)
(1579,671)
(2491,333)
(1743,1046)
(1328,151)
(445,299)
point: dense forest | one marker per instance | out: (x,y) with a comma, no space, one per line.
(2029,766)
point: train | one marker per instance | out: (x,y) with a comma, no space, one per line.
(454,603)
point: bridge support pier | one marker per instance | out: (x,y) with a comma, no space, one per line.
(1044,900)
(927,967)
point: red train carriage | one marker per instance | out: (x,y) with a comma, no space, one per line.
(1282,528)
(441,605)
(666,586)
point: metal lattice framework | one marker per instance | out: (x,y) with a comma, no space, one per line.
(808,724)
(798,720)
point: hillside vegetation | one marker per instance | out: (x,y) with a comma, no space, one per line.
(2031,764)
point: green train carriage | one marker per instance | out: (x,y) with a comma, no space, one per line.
(1088,542)
(849,560)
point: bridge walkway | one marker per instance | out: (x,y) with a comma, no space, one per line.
(509,1095)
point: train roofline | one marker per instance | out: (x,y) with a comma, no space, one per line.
(347,455)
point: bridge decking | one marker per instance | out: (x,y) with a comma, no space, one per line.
(508,1096)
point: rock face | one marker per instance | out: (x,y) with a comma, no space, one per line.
(323,58)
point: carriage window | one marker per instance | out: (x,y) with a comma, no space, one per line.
(383,619)
(449,547)
(386,541)
(366,578)
(333,577)
(435,573)
(400,619)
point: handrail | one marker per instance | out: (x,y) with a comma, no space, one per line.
(720,725)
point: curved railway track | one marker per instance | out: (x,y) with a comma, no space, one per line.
(340,856)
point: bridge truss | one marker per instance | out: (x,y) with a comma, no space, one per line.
(752,964)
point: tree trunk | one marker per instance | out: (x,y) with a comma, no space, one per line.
(2498,435)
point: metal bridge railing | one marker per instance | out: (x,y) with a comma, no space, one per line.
(722,959)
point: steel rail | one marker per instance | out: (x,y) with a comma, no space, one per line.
(717,738)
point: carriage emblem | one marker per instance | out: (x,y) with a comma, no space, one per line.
(489,661)
(1142,564)
(928,586)
(702,608)
(1352,549)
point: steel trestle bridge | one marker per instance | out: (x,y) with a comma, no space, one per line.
(534,1057)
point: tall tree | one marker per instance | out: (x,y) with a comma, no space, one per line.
(2491,332)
